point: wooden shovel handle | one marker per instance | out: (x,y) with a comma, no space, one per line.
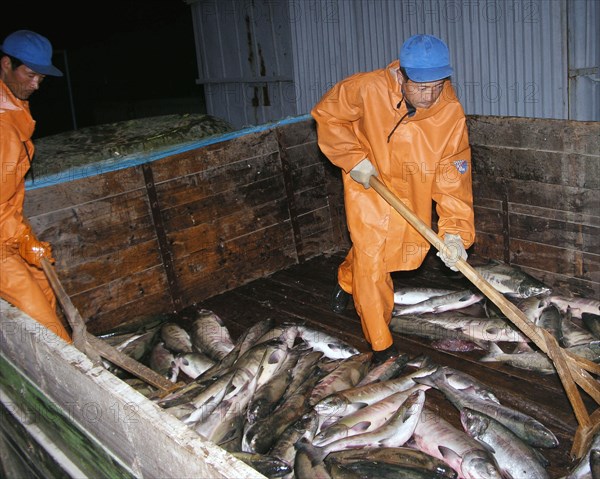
(514,314)
(75,320)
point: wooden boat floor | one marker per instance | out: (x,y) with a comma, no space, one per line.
(302,293)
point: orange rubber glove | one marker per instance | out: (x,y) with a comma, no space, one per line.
(32,250)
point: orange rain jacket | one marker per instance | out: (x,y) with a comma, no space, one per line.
(428,157)
(21,284)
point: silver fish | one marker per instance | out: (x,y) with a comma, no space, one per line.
(193,364)
(418,326)
(577,304)
(210,335)
(345,401)
(386,370)
(515,458)
(511,280)
(524,426)
(304,427)
(480,329)
(395,432)
(550,319)
(402,456)
(437,437)
(306,367)
(439,304)
(530,361)
(246,340)
(308,463)
(267,396)
(573,335)
(410,295)
(267,465)
(138,345)
(175,338)
(532,307)
(592,323)
(382,470)
(331,346)
(348,373)
(226,421)
(163,362)
(365,419)
(261,435)
(286,332)
(537,361)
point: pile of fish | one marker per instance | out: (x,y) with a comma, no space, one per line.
(294,402)
(461,320)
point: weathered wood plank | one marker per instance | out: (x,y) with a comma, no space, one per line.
(213,156)
(243,173)
(488,220)
(108,319)
(559,168)
(585,266)
(114,295)
(110,267)
(551,232)
(535,133)
(85,190)
(250,200)
(88,231)
(212,271)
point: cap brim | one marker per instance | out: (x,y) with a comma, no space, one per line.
(44,69)
(421,75)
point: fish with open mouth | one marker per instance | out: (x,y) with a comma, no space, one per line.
(511,280)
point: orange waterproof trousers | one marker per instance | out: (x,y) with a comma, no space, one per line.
(26,287)
(372,290)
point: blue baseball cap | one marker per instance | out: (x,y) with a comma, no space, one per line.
(34,50)
(425,58)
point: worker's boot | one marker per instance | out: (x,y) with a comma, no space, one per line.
(339,299)
(382,356)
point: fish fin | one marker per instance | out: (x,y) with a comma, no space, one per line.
(361,426)
(522,347)
(449,455)
(494,352)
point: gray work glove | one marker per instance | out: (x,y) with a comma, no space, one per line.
(456,249)
(362,172)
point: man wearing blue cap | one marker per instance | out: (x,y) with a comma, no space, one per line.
(403,124)
(25,60)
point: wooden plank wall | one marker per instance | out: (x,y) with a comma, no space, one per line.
(163,235)
(537,203)
(160,236)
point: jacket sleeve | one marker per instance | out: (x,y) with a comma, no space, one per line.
(336,115)
(11,191)
(453,190)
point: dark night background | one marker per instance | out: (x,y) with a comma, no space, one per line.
(126,59)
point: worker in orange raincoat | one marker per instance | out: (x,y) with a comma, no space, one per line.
(25,59)
(403,124)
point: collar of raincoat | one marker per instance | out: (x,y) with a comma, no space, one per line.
(447,96)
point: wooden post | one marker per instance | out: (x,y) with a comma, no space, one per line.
(95,348)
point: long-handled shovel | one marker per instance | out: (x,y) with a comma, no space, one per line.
(94,347)
(571,368)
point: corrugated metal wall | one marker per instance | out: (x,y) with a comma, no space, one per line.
(244,54)
(584,59)
(527,58)
(510,56)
